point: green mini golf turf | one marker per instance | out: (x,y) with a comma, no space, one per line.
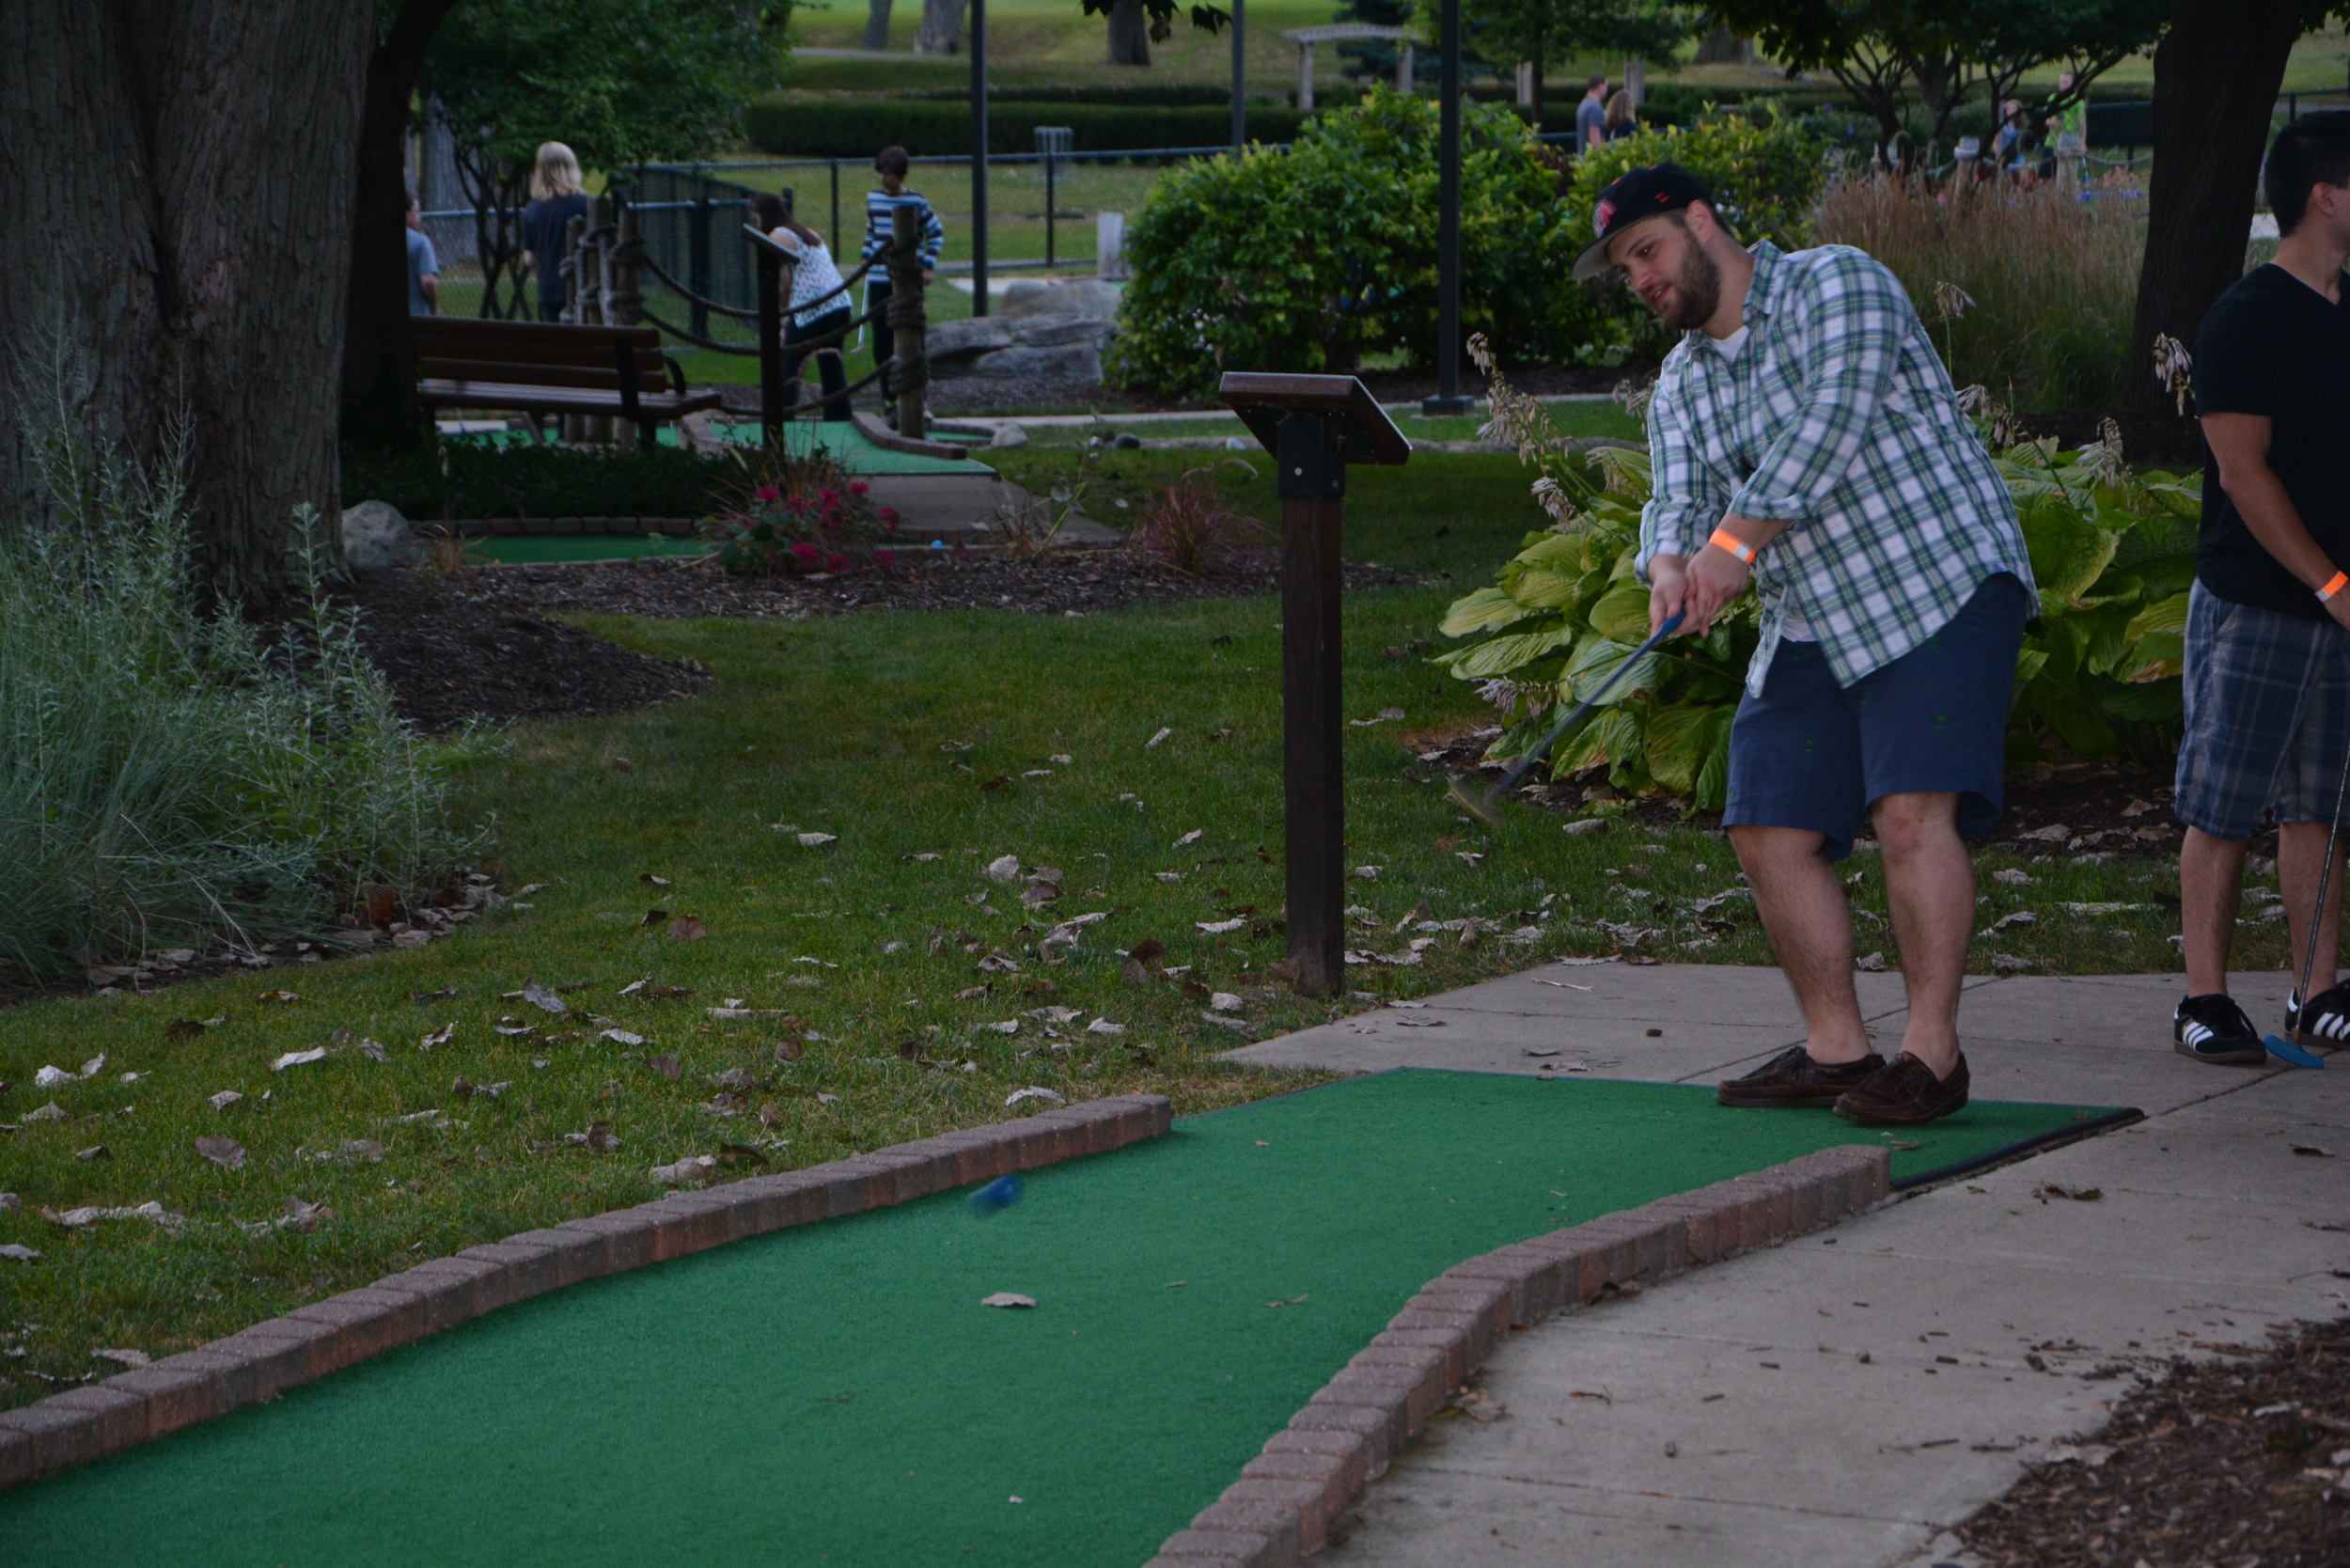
(521,548)
(836,1394)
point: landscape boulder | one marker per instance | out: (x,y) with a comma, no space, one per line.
(1054,345)
(376,535)
(1076,296)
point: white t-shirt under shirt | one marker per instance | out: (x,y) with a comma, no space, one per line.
(1795,628)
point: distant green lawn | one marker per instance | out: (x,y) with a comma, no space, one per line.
(900,735)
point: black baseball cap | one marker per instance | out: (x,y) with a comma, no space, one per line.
(1640,194)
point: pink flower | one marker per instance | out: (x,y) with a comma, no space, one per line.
(770,495)
(889,516)
(830,497)
(806,554)
(857,487)
(836,562)
(885,558)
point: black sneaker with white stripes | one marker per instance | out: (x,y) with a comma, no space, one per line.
(2213,1028)
(2322,1020)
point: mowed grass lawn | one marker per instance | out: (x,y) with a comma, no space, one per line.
(927,746)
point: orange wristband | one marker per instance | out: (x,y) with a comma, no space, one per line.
(1744,552)
(2334,585)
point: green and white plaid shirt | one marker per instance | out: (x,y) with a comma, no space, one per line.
(1837,419)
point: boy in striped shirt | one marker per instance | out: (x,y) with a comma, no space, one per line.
(881,209)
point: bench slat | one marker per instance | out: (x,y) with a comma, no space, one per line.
(607,375)
(449,393)
(597,357)
(454,330)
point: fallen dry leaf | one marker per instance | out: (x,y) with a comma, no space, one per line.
(283,997)
(439,1037)
(1032,1093)
(545,1000)
(790,1050)
(183,1028)
(811,841)
(19,1253)
(1009,1300)
(298,1058)
(1004,868)
(226,1152)
(685,927)
(694,1169)
(667,1066)
(95,1151)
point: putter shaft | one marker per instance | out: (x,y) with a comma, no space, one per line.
(1489,808)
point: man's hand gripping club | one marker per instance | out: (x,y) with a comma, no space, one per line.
(1700,587)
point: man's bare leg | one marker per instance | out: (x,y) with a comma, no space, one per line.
(1810,925)
(1929,890)
(2300,861)
(2210,885)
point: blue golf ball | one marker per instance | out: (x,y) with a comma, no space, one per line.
(998,1195)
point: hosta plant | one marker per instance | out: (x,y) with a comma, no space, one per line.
(2112,552)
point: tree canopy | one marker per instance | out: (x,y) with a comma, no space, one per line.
(1885,53)
(1549,33)
(617,81)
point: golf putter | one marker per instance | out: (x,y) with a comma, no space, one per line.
(2283,1048)
(1489,808)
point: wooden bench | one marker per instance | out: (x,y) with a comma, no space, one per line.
(550,367)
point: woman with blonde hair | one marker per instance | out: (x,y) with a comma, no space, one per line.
(557,197)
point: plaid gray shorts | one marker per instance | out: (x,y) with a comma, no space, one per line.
(2267,717)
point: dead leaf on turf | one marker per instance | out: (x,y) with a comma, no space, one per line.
(439,1037)
(654,917)
(771,1115)
(969,992)
(635,987)
(545,1000)
(304,1215)
(447,993)
(20,1253)
(225,1099)
(95,1151)
(298,1058)
(1012,1300)
(226,1152)
(790,1050)
(656,881)
(183,1028)
(685,927)
(733,1154)
(667,1065)
(623,1037)
(597,1139)
(996,783)
(285,999)
(1293,1301)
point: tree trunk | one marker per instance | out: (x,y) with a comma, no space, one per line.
(2215,79)
(379,356)
(176,171)
(1129,34)
(877,24)
(941,32)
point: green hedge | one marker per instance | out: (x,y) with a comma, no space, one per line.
(1156,95)
(859,128)
(468,480)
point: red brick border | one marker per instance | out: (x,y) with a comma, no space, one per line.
(262,1361)
(1282,1507)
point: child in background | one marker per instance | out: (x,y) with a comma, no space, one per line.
(881,208)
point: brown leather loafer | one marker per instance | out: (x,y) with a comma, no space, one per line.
(1792,1078)
(1904,1094)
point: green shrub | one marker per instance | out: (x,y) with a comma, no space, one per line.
(930,127)
(1308,260)
(452,479)
(169,779)
(2112,552)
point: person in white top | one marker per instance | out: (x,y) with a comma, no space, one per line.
(819,307)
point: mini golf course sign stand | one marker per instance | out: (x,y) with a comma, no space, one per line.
(1314,426)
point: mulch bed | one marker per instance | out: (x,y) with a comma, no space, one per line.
(1077,582)
(2106,809)
(2223,1462)
(450,656)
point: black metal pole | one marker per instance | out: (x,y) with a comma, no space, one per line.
(979,157)
(770,348)
(1240,74)
(1448,398)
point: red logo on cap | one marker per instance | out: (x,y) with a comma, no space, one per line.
(1601,215)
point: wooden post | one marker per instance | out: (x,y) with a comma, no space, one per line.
(913,372)
(1314,426)
(1314,776)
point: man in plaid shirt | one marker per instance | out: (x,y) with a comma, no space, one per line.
(1805,439)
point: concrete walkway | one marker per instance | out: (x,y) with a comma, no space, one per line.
(1844,1399)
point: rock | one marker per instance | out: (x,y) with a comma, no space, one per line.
(1019,346)
(1009,435)
(1076,296)
(375,535)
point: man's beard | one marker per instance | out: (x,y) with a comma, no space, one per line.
(1696,293)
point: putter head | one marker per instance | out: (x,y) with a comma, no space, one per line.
(1465,796)
(2285,1051)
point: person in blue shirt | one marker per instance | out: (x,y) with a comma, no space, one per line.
(1591,116)
(881,209)
(424,268)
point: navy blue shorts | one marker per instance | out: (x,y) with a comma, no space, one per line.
(1811,754)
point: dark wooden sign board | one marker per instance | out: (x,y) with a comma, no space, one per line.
(1314,426)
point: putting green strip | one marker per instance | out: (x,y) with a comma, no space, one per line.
(836,1393)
